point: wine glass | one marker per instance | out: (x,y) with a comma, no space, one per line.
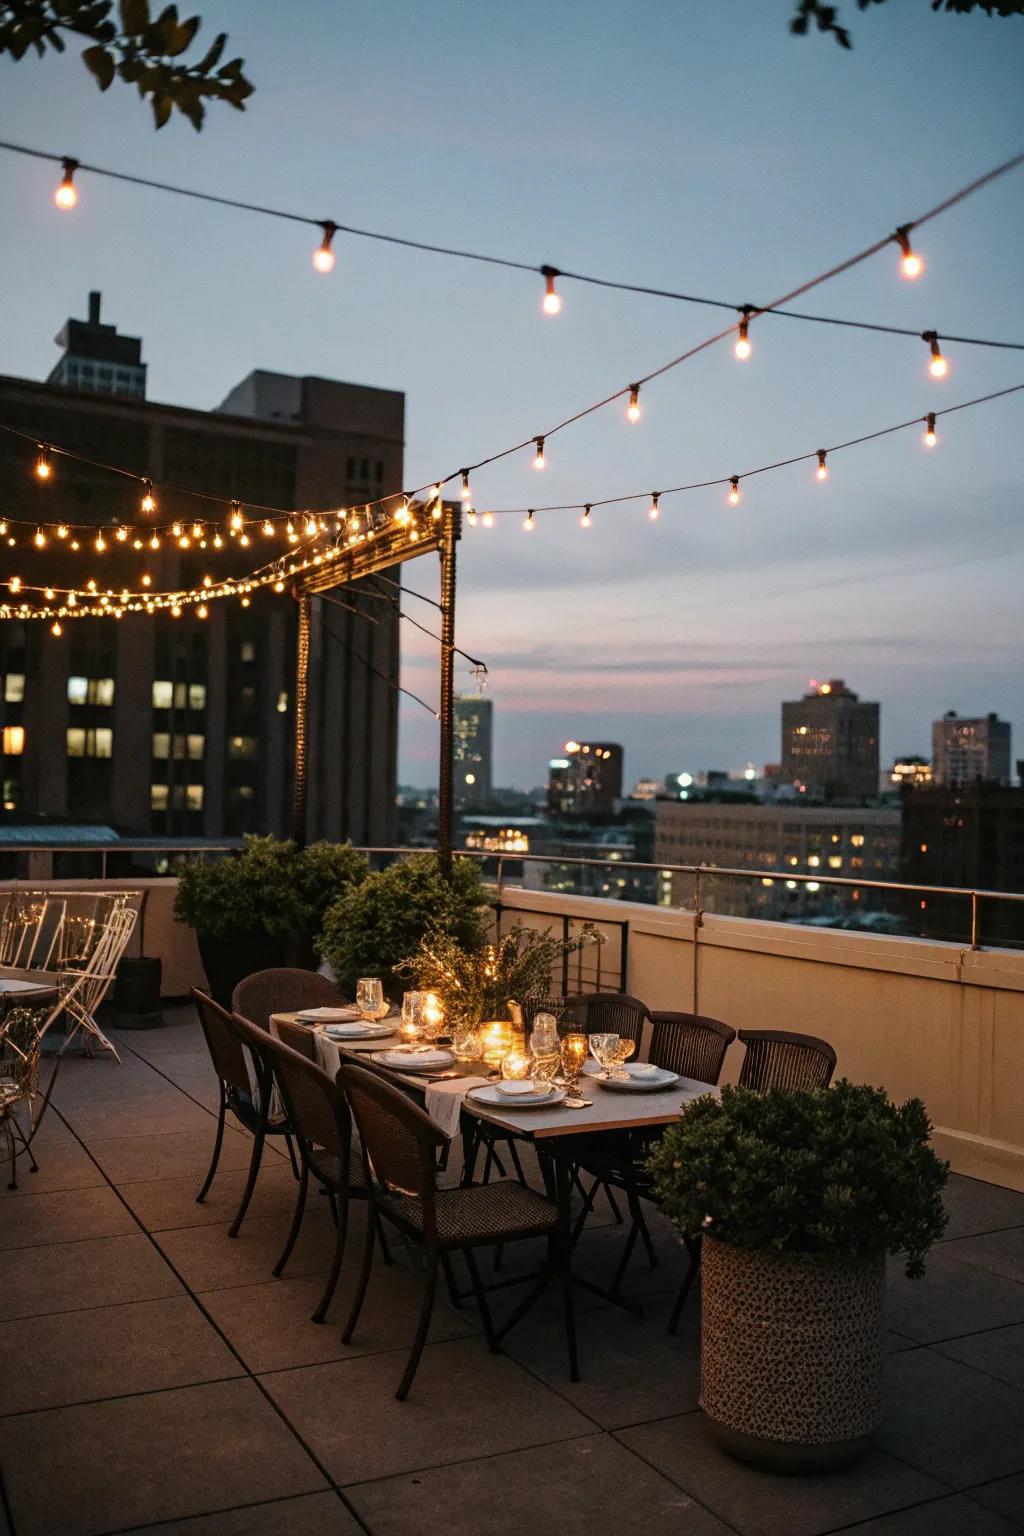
(621,1054)
(574,1050)
(412,1015)
(603,1048)
(370,999)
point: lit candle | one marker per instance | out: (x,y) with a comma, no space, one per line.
(433,1016)
(497,1041)
(575,1049)
(515,1065)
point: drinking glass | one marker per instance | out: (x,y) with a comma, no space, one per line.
(370,999)
(603,1048)
(623,1051)
(412,1014)
(574,1050)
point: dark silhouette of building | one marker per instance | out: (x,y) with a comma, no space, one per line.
(587,780)
(474,767)
(185,727)
(830,744)
(971,836)
(964,751)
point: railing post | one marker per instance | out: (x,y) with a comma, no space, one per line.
(975,902)
(698,923)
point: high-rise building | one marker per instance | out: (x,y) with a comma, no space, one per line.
(830,743)
(587,780)
(97,358)
(971,836)
(970,751)
(474,768)
(910,771)
(185,727)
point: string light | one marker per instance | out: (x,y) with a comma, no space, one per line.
(62,530)
(66,195)
(633,409)
(236,521)
(311,527)
(202,612)
(743,348)
(911,264)
(268,528)
(323,256)
(148,502)
(403,516)
(552,303)
(279,586)
(122,535)
(487,520)
(147,580)
(471,516)
(529,524)
(44,464)
(466,493)
(539,461)
(585,519)
(15,584)
(436,509)
(931,437)
(822,470)
(55,628)
(938,367)
(734,490)
(654,510)
(100,544)
(40,539)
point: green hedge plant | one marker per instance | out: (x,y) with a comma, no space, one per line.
(830,1175)
(271,887)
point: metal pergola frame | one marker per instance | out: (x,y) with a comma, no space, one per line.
(389,546)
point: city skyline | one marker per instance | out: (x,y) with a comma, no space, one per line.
(661,156)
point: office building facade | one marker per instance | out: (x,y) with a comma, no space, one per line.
(185,727)
(586,780)
(473,752)
(970,751)
(970,836)
(830,744)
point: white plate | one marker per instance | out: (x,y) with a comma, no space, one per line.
(427,1061)
(329,1016)
(358,1030)
(492,1096)
(659,1080)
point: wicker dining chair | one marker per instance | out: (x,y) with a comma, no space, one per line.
(612,1013)
(777,1058)
(20,1042)
(281,989)
(245,1090)
(691,1044)
(400,1142)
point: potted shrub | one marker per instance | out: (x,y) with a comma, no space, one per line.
(798,1197)
(262,907)
(377,924)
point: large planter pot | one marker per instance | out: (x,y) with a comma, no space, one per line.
(229,958)
(791,1356)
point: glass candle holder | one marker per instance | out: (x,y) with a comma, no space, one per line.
(466,1043)
(498,1040)
(413,1024)
(515,1065)
(575,1049)
(433,1016)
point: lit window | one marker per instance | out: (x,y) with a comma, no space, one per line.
(194,797)
(197,695)
(14,687)
(76,741)
(78,688)
(163,694)
(103,742)
(14,740)
(814,860)
(158,797)
(282,703)
(161,744)
(835,861)
(247,650)
(92,743)
(91,690)
(196,748)
(857,839)
(242,748)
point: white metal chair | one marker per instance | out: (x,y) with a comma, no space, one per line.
(81,1002)
(31,930)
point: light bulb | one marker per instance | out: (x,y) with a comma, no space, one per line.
(278,586)
(734,490)
(436,510)
(62,531)
(100,544)
(311,527)
(653,510)
(323,256)
(822,470)
(202,612)
(743,348)
(488,519)
(931,437)
(44,464)
(911,264)
(585,519)
(539,461)
(175,611)
(55,628)
(403,515)
(244,540)
(236,521)
(529,523)
(147,580)
(148,502)
(48,594)
(268,528)
(15,584)
(466,492)
(552,304)
(471,517)
(633,409)
(66,195)
(154,542)
(40,539)
(72,600)
(938,367)
(246,602)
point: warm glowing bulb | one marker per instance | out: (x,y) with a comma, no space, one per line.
(40,539)
(175,611)
(72,600)
(911,264)
(654,509)
(743,348)
(938,367)
(633,409)
(202,612)
(488,519)
(154,542)
(244,540)
(466,492)
(268,528)
(122,535)
(529,524)
(278,586)
(552,304)
(148,502)
(236,521)
(822,470)
(323,256)
(734,490)
(931,437)
(471,517)
(55,628)
(585,519)
(15,583)
(147,580)
(539,461)
(100,544)
(218,542)
(311,527)
(66,195)
(44,465)
(403,515)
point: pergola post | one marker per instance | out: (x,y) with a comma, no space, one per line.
(446,766)
(301,701)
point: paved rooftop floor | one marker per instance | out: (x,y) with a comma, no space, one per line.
(153,1375)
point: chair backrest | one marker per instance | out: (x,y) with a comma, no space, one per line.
(315,1106)
(613,1013)
(553,1005)
(776,1058)
(691,1044)
(20,1042)
(223,1043)
(400,1140)
(281,989)
(299,1036)
(48,933)
(101,967)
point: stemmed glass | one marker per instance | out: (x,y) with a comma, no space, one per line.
(370,999)
(574,1051)
(413,1004)
(603,1048)
(623,1051)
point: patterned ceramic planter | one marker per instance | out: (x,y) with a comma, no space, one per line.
(791,1356)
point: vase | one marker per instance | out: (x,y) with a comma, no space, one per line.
(791,1356)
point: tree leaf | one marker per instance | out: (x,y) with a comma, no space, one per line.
(213,56)
(134,16)
(162,106)
(101,64)
(183,36)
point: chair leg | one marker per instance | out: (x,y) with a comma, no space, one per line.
(422,1327)
(291,1153)
(218,1141)
(364,1277)
(481,1301)
(489,1162)
(339,1254)
(449,1276)
(12,1149)
(293,1231)
(693,1249)
(250,1183)
(516,1164)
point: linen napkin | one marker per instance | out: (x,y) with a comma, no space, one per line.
(443,1102)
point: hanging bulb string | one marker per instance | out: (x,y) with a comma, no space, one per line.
(376,671)
(542,269)
(761,469)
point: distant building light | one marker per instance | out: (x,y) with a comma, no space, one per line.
(750,773)
(812,885)
(572,746)
(790,885)
(559,762)
(470,778)
(685,779)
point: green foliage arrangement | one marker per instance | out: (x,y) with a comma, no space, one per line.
(271,887)
(476,983)
(137,48)
(378,924)
(830,1175)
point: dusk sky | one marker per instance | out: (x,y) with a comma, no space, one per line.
(692,146)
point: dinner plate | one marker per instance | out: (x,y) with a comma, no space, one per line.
(426,1061)
(492,1096)
(657,1082)
(329,1016)
(359,1029)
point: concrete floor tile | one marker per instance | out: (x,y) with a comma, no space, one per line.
(163,1456)
(464,1402)
(768,1504)
(1000,1252)
(953,1298)
(65,1277)
(999,1353)
(953,1516)
(974,1207)
(314,1514)
(63,1165)
(127,1159)
(585,1487)
(63,1217)
(161,1204)
(78,1357)
(1005,1497)
(950,1420)
(208,1259)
